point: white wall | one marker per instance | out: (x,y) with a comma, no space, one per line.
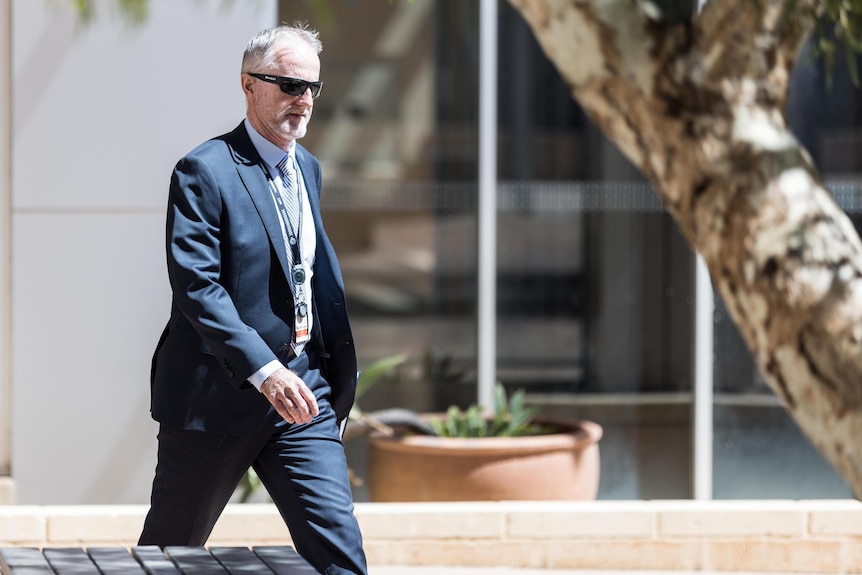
(99,116)
(5,249)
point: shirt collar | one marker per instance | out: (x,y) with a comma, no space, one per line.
(269,152)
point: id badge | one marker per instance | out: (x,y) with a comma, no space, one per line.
(300,323)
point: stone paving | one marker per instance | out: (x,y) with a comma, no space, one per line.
(396,570)
(403,570)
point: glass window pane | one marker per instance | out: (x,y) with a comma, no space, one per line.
(595,283)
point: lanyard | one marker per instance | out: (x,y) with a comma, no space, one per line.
(293,237)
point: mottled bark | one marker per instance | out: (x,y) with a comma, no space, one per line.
(698,107)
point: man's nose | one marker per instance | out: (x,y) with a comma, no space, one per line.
(306,98)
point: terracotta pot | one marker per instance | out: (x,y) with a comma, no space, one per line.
(562,465)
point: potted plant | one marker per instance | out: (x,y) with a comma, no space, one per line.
(472,456)
(468,455)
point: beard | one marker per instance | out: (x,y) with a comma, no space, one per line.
(295,127)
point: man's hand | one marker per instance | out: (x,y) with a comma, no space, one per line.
(290,396)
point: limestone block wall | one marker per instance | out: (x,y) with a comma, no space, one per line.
(763,536)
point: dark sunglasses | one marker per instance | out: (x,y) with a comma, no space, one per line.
(292,86)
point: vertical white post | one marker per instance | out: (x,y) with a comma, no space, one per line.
(6,486)
(703,384)
(703,370)
(487,314)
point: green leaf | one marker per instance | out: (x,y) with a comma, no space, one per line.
(439,427)
(453,414)
(500,401)
(135,11)
(475,423)
(850,55)
(376,371)
(837,31)
(248,485)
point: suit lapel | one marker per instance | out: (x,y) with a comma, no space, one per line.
(253,175)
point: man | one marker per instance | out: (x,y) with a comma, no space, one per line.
(256,366)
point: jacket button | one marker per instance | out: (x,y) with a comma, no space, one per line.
(227,367)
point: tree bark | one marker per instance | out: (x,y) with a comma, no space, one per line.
(698,107)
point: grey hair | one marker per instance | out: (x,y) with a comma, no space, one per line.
(259,54)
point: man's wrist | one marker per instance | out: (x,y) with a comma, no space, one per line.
(258,377)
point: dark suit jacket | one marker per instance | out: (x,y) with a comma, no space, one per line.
(232,309)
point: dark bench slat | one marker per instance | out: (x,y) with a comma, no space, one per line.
(115,561)
(70,561)
(150,560)
(23,561)
(284,560)
(195,561)
(240,561)
(154,561)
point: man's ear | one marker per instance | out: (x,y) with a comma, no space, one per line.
(247,83)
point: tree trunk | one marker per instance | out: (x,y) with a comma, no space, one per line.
(698,107)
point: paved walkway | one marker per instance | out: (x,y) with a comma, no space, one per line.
(396,570)
(389,570)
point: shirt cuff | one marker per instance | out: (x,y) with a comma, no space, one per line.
(258,377)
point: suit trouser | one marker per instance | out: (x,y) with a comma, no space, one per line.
(303,468)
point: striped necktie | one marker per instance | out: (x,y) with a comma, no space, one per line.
(290,195)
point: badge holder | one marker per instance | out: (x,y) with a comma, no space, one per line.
(300,322)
